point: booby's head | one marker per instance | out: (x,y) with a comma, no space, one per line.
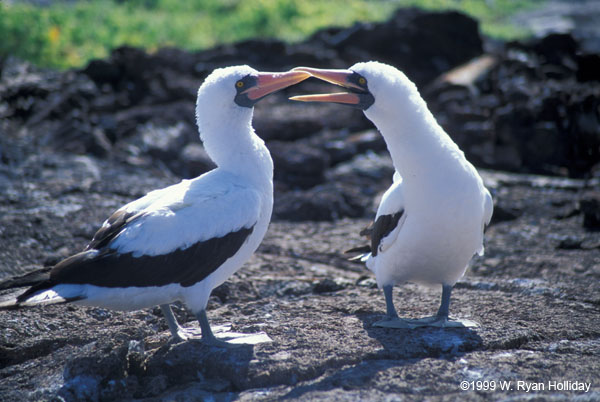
(372,87)
(231,92)
(224,111)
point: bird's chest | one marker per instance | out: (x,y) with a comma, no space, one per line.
(442,210)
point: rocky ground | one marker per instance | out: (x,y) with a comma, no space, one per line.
(75,146)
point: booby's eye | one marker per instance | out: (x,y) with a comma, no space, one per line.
(362,81)
(240,84)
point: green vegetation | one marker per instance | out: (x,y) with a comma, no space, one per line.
(69,34)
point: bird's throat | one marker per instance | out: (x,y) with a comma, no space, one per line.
(416,142)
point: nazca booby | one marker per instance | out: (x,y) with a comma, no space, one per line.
(431,220)
(180,242)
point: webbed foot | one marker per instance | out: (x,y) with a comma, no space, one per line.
(441,322)
(393,322)
(182,334)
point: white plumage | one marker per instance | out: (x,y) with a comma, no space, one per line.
(180,242)
(212,205)
(431,220)
(392,202)
(445,202)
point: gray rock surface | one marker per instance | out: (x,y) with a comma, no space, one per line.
(75,146)
(537,302)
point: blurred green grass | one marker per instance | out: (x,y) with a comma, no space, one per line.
(69,34)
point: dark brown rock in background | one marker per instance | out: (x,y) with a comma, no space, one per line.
(74,146)
(590,208)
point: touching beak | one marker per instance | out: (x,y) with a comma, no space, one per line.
(268,83)
(337,77)
(358,97)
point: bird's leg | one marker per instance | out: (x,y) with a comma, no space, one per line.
(441,319)
(172,322)
(208,337)
(391,319)
(389,302)
(179,333)
(443,312)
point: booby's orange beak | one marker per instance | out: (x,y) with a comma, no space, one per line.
(267,83)
(358,97)
(337,77)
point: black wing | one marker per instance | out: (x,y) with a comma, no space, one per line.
(29,279)
(102,237)
(375,232)
(113,226)
(109,268)
(361,250)
(186,267)
(384,224)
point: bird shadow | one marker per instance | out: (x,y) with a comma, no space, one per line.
(170,364)
(399,348)
(184,361)
(422,342)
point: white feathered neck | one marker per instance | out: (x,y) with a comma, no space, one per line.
(417,143)
(226,128)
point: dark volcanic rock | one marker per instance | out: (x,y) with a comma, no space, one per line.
(194,161)
(534,109)
(588,67)
(349,191)
(423,45)
(530,111)
(75,146)
(315,305)
(590,207)
(326,202)
(297,164)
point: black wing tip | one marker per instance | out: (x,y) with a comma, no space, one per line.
(366,232)
(114,225)
(31,278)
(360,249)
(383,226)
(358,258)
(22,301)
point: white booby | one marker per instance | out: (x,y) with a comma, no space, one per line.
(431,220)
(180,242)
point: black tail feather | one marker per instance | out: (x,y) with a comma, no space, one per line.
(20,301)
(361,249)
(367,232)
(29,279)
(35,280)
